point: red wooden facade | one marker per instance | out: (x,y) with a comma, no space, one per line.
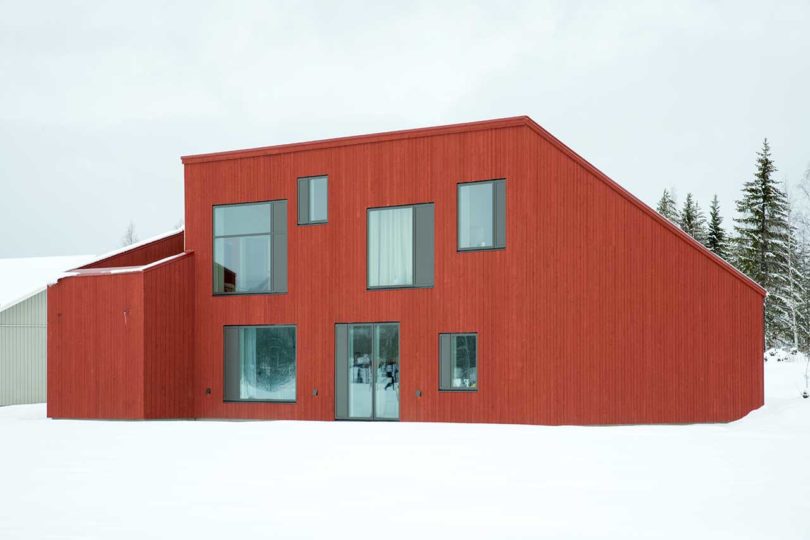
(598,311)
(120,342)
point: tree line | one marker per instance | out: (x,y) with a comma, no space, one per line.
(768,242)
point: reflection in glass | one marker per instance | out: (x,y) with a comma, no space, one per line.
(360,374)
(242,248)
(267,359)
(242,264)
(318,199)
(386,396)
(475,215)
(239,219)
(465,366)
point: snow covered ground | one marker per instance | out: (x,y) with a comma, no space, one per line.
(224,480)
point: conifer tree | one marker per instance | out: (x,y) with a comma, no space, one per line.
(667,206)
(764,245)
(716,239)
(692,220)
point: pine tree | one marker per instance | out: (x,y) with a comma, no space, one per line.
(667,206)
(763,246)
(692,220)
(716,239)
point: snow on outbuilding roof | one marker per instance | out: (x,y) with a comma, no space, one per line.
(21,278)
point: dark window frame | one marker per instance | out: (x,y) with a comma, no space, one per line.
(272,234)
(295,361)
(413,206)
(305,181)
(496,218)
(453,336)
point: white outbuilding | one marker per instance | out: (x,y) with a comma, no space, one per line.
(23,325)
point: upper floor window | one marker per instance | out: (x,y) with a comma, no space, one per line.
(482,215)
(250,248)
(400,246)
(313,200)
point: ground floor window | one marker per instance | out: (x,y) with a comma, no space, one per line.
(458,361)
(260,363)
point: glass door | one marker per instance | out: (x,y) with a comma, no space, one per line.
(386,373)
(367,371)
(360,372)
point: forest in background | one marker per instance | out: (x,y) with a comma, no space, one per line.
(768,240)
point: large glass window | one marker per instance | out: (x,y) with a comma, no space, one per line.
(400,246)
(313,200)
(482,215)
(260,363)
(250,247)
(458,358)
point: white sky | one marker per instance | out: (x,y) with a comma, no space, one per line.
(99,100)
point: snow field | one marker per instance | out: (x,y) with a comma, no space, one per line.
(207,479)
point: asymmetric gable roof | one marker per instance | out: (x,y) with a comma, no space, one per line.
(516,121)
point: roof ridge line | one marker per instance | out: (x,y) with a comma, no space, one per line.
(495,123)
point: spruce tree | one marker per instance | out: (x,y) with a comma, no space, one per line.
(763,245)
(692,220)
(667,207)
(716,239)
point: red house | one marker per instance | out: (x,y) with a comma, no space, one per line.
(478,272)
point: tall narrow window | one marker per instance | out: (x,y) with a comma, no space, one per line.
(313,200)
(482,215)
(250,248)
(400,246)
(458,361)
(260,363)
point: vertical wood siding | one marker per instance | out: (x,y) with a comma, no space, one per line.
(119,344)
(23,354)
(143,254)
(95,347)
(169,339)
(595,313)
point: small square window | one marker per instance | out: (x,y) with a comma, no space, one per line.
(482,215)
(313,200)
(458,362)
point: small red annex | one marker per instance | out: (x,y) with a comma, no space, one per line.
(479,272)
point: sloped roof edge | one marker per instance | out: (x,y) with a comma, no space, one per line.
(141,244)
(643,206)
(515,121)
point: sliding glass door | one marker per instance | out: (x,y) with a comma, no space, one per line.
(367,371)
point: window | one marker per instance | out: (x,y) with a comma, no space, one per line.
(250,248)
(259,363)
(482,215)
(313,200)
(400,246)
(458,362)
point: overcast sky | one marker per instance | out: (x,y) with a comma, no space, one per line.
(98,100)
